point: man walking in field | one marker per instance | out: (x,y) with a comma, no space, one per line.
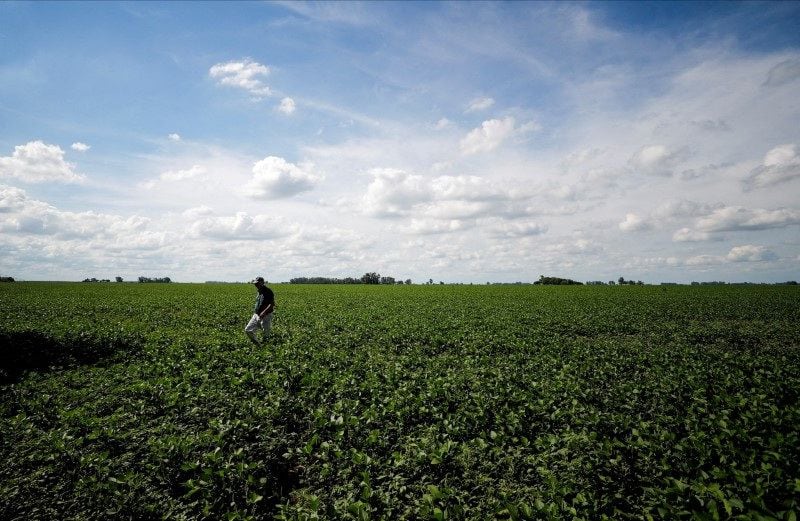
(262,312)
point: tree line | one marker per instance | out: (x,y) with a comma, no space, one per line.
(367,278)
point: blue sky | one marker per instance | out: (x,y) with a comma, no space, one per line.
(458,141)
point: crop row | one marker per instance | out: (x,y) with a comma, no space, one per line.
(401,403)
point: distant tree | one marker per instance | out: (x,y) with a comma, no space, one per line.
(118,279)
(148,279)
(430,281)
(621,280)
(408,282)
(386,280)
(6,279)
(371,278)
(556,281)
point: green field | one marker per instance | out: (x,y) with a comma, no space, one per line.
(146,401)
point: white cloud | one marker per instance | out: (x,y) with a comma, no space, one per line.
(737,218)
(442,124)
(287,106)
(80,147)
(180,175)
(750,253)
(689,235)
(11,198)
(655,160)
(240,227)
(38,162)
(275,178)
(22,215)
(243,75)
(704,260)
(435,226)
(488,136)
(174,137)
(634,223)
(171,176)
(685,208)
(197,211)
(781,164)
(479,104)
(518,229)
(393,193)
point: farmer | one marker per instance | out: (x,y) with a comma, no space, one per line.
(262,312)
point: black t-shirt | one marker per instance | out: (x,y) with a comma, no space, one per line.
(265,298)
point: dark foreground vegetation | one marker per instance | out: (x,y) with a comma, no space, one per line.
(140,401)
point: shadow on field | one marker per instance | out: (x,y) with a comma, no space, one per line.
(23,351)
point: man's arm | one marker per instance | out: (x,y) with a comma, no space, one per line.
(267,310)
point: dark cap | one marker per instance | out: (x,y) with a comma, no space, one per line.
(257,280)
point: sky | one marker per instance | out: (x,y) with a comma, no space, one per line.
(459,142)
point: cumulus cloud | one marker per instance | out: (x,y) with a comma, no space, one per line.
(479,104)
(518,229)
(11,198)
(685,208)
(634,223)
(750,253)
(80,147)
(239,227)
(171,176)
(488,136)
(244,75)
(38,162)
(22,215)
(197,211)
(704,260)
(435,226)
(287,106)
(738,218)
(781,164)
(689,235)
(275,178)
(393,193)
(174,137)
(442,124)
(655,160)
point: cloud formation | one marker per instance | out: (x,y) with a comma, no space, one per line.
(738,218)
(275,178)
(172,176)
(780,165)
(750,253)
(490,135)
(634,223)
(239,227)
(38,162)
(479,104)
(80,147)
(287,106)
(246,75)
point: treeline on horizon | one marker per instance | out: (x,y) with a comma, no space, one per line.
(367,278)
(376,278)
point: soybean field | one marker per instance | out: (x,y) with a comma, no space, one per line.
(147,401)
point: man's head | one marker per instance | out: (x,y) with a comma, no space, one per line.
(258,281)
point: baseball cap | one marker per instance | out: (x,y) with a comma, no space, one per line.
(257,279)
